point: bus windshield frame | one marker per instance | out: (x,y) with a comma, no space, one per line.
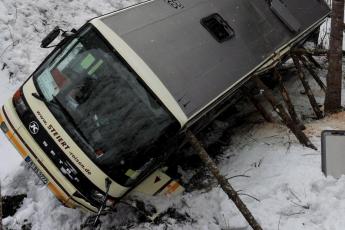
(104,106)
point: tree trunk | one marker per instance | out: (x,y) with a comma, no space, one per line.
(312,60)
(314,52)
(313,73)
(279,108)
(257,104)
(222,181)
(334,78)
(287,99)
(307,88)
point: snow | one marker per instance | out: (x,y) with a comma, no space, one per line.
(10,159)
(284,176)
(325,31)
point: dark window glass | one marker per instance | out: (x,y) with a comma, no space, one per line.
(104,107)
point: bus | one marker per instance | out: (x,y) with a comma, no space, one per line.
(107,110)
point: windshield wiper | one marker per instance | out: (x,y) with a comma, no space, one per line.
(62,47)
(65,111)
(69,117)
(57,104)
(43,99)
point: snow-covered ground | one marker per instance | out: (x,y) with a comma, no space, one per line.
(285,177)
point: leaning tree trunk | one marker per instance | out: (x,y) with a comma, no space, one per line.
(222,181)
(334,78)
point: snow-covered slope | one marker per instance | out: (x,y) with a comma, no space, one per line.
(284,176)
(24,23)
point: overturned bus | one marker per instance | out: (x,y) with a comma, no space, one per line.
(98,119)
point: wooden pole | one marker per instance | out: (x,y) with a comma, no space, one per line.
(223,182)
(257,105)
(287,100)
(312,73)
(312,60)
(313,52)
(303,139)
(307,88)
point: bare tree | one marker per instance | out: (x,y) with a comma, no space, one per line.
(334,78)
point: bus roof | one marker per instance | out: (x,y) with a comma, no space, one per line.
(179,41)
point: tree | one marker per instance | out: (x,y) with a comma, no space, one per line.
(334,78)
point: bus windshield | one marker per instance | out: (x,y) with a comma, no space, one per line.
(103,106)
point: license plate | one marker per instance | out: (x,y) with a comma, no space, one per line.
(40,175)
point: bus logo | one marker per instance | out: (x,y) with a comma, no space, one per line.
(33,127)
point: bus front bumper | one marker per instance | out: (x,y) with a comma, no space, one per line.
(34,156)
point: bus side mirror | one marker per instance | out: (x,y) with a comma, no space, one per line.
(67,34)
(50,37)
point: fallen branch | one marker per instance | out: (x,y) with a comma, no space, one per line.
(300,205)
(293,213)
(253,197)
(223,182)
(232,177)
(293,194)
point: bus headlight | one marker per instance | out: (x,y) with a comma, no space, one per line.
(18,102)
(100,198)
(4,127)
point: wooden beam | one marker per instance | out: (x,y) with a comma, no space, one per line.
(307,88)
(287,100)
(312,60)
(257,104)
(312,73)
(286,119)
(313,52)
(222,181)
